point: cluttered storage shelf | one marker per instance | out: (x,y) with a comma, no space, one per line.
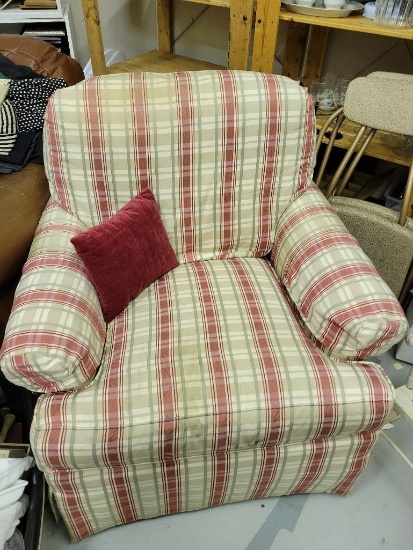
(46,19)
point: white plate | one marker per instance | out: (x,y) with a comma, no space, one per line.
(324,12)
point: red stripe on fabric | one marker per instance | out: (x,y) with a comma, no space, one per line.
(53,260)
(95,134)
(186,135)
(72,503)
(297,217)
(141,130)
(335,326)
(380,401)
(64,299)
(55,155)
(274,405)
(306,159)
(392,329)
(113,416)
(23,369)
(271,140)
(229,137)
(315,466)
(52,341)
(55,226)
(360,458)
(309,248)
(270,461)
(167,399)
(53,443)
(334,276)
(53,448)
(220,387)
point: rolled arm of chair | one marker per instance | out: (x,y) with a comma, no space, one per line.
(56,333)
(341,299)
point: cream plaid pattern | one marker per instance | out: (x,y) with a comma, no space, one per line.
(339,295)
(144,129)
(184,387)
(59,333)
(207,388)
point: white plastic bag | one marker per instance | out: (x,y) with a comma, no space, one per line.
(11,469)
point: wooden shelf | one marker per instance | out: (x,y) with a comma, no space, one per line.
(13,14)
(160,62)
(354,23)
(219,3)
(378,148)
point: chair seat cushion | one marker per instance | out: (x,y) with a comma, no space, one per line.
(180,379)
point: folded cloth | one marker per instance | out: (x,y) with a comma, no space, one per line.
(10,518)
(8,127)
(11,70)
(29,97)
(27,144)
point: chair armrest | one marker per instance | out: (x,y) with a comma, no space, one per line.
(338,293)
(55,335)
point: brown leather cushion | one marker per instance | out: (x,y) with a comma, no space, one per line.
(43,58)
(23,196)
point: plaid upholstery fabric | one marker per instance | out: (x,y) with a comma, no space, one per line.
(206,389)
(339,295)
(252,134)
(57,329)
(133,492)
(210,361)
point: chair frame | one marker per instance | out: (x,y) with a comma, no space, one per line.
(347,167)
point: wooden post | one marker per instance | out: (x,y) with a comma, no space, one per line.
(240,24)
(164,22)
(266,34)
(316,54)
(296,38)
(94,36)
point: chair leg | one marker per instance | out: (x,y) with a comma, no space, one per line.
(355,161)
(406,209)
(330,144)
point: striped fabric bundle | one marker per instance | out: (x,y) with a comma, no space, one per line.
(229,377)
(8,127)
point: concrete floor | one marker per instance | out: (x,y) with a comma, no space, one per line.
(378,513)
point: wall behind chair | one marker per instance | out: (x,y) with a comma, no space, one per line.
(202,32)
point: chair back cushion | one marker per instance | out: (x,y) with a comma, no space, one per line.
(224,152)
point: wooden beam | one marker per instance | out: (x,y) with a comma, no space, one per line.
(316,54)
(265,35)
(94,36)
(164,21)
(240,24)
(294,48)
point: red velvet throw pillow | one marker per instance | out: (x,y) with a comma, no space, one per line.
(127,253)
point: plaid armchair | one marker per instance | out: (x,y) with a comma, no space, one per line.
(242,372)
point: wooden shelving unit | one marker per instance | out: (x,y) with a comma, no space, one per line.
(355,22)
